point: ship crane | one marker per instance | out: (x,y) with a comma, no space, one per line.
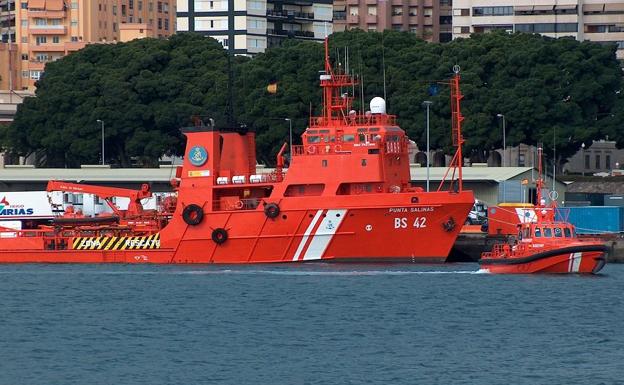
(135,208)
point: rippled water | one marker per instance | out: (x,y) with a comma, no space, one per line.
(307,324)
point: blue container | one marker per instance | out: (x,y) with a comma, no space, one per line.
(594,219)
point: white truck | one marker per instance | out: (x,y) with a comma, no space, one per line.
(478,214)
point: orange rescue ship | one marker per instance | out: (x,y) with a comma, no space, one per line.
(346,196)
(545,245)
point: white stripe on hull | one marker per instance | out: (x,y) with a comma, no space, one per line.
(574,262)
(306,235)
(324,234)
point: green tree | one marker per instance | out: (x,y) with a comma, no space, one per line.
(143,90)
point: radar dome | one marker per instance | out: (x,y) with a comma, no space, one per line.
(378,105)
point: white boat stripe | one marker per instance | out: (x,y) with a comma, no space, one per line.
(306,235)
(324,234)
(570,259)
(576,266)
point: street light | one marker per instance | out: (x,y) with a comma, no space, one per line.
(427,104)
(290,133)
(583,157)
(504,148)
(102,123)
(504,145)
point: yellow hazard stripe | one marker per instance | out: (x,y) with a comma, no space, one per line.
(116,243)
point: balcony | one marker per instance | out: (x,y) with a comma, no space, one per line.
(275,14)
(47,14)
(296,34)
(353,19)
(47,30)
(371,19)
(35,65)
(45,47)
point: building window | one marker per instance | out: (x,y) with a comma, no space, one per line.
(166,24)
(74,23)
(521,160)
(25,22)
(74,38)
(492,11)
(372,28)
(24,5)
(160,6)
(24,56)
(165,8)
(56,40)
(25,74)
(130,4)
(159,23)
(35,75)
(428,12)
(74,5)
(114,27)
(41,40)
(465,29)
(354,10)
(465,12)
(140,5)
(597,162)
(586,162)
(397,27)
(608,162)
(24,39)
(413,11)
(114,10)
(372,10)
(397,11)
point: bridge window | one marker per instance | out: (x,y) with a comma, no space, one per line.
(373,129)
(538,232)
(304,190)
(362,138)
(547,232)
(558,232)
(348,138)
(362,129)
(312,132)
(567,232)
(314,139)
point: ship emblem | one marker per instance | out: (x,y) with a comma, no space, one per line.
(198,156)
(329,226)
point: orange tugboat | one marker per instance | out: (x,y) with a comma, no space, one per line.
(545,245)
(346,196)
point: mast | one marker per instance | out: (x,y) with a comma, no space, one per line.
(335,105)
(457,119)
(539,183)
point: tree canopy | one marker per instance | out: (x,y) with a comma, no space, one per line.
(146,89)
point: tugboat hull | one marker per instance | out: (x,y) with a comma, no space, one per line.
(587,259)
(410,233)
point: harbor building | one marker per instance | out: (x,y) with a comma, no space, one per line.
(247,27)
(595,20)
(429,19)
(47,30)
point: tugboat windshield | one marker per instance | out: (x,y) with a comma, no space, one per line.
(567,232)
(538,232)
(547,232)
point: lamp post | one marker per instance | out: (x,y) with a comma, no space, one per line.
(427,104)
(501,116)
(289,134)
(583,157)
(102,123)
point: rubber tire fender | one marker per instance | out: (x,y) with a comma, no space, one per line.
(193,214)
(271,210)
(219,235)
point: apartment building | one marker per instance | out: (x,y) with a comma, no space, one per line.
(594,20)
(248,27)
(47,30)
(429,19)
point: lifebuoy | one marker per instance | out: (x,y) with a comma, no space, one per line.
(193,214)
(311,149)
(337,148)
(271,210)
(238,205)
(219,235)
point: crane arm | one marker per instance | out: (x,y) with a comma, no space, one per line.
(105,193)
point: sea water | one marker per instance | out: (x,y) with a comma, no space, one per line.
(308,324)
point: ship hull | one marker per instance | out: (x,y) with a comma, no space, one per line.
(586,259)
(394,231)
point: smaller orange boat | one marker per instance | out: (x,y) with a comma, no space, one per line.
(545,245)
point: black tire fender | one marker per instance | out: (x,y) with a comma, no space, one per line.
(219,235)
(193,214)
(271,210)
